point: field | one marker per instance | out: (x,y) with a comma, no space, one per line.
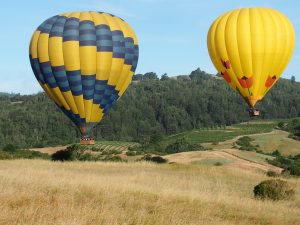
(226,158)
(220,135)
(39,192)
(98,146)
(278,140)
(209,187)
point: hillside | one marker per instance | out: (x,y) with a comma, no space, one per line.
(137,194)
(149,107)
(213,186)
(207,147)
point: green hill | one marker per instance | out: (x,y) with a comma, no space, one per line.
(149,107)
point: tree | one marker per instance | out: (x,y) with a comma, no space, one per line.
(150,76)
(164,77)
(148,107)
(137,77)
(293,79)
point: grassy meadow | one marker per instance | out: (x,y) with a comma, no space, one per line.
(278,140)
(37,192)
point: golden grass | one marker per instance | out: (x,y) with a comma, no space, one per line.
(42,192)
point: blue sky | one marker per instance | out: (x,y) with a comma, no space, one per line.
(171,33)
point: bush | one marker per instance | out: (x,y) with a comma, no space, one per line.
(9,148)
(218,164)
(156,159)
(130,153)
(276,153)
(5,155)
(86,157)
(274,190)
(182,145)
(68,154)
(291,164)
(272,173)
(294,169)
(245,143)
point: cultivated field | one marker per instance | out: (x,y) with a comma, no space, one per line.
(36,192)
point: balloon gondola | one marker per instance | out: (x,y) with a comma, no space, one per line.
(84,61)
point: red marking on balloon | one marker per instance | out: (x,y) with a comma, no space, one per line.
(226,76)
(226,64)
(270,81)
(246,82)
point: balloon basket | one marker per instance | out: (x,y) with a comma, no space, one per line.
(87,141)
(254,112)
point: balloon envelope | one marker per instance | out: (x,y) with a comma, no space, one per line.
(250,48)
(84,61)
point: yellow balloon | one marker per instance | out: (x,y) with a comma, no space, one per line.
(250,48)
(84,61)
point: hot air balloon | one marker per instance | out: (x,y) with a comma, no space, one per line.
(84,61)
(250,48)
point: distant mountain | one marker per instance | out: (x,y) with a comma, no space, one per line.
(149,106)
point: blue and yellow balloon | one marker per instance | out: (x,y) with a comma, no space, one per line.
(84,61)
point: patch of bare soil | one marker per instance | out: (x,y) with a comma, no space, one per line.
(49,150)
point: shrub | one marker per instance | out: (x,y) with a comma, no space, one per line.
(245,143)
(130,153)
(218,164)
(86,157)
(291,164)
(64,155)
(5,155)
(182,145)
(294,169)
(156,159)
(274,190)
(272,173)
(9,148)
(281,125)
(276,153)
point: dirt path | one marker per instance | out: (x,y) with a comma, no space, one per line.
(234,160)
(224,151)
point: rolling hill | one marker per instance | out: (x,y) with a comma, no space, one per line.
(149,107)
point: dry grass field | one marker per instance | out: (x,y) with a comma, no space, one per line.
(36,192)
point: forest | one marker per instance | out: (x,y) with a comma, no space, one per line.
(150,106)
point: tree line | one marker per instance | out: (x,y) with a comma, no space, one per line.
(150,106)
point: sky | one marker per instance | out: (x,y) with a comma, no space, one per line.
(171,33)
